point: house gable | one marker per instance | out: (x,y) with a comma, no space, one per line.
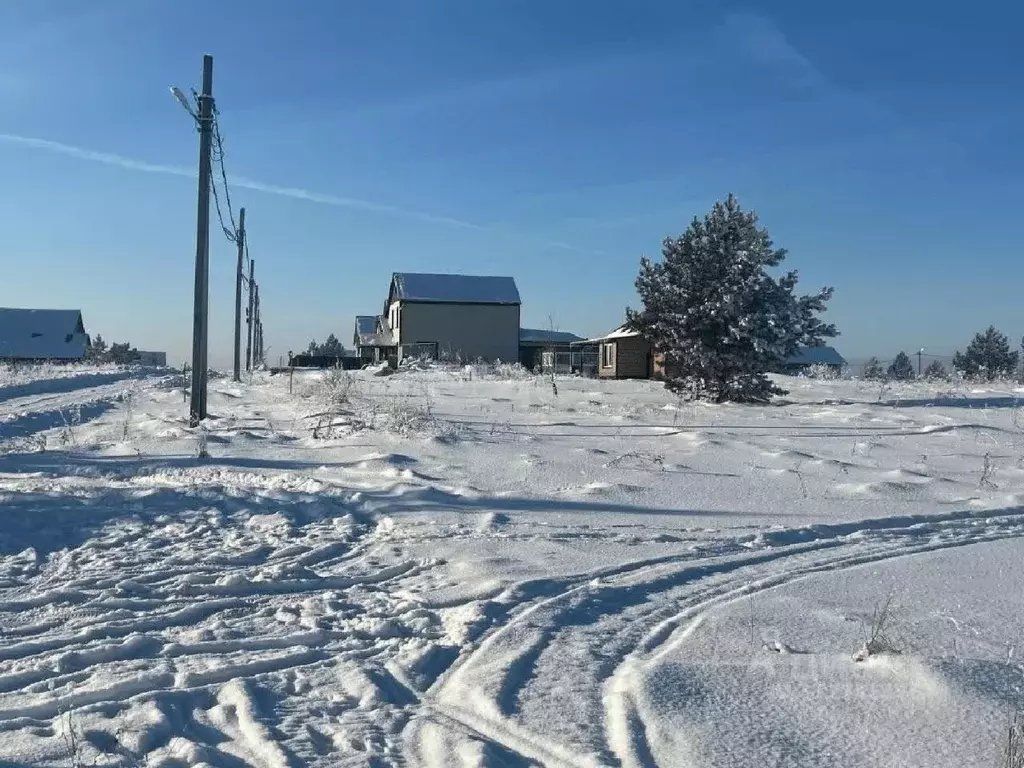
(42,334)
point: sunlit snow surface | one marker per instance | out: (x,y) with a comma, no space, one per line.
(447,568)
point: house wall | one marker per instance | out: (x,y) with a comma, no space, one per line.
(631,360)
(488,331)
(152,358)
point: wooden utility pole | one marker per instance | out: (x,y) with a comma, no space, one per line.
(248,315)
(240,240)
(256,330)
(200,311)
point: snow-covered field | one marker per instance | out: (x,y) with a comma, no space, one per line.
(477,571)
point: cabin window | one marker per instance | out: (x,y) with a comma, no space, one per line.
(607,355)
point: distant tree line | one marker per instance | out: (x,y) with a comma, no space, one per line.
(987,357)
(121,354)
(330,348)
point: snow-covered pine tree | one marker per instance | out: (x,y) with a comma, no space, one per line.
(332,347)
(97,350)
(123,354)
(901,368)
(935,370)
(872,369)
(988,356)
(721,321)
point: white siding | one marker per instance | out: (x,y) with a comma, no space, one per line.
(469,331)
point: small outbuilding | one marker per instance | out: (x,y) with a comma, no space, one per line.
(55,335)
(814,356)
(546,351)
(624,354)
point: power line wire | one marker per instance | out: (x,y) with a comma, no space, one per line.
(231,233)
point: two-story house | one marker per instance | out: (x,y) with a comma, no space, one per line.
(446,317)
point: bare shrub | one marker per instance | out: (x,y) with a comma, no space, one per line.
(334,394)
(882,636)
(638,460)
(71,420)
(500,371)
(410,419)
(335,388)
(987,470)
(127,409)
(822,372)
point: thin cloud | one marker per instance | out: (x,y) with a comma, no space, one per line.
(760,39)
(273,189)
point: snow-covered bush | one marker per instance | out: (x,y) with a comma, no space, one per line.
(500,371)
(403,417)
(335,388)
(822,372)
(717,314)
(872,370)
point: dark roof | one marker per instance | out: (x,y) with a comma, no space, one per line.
(42,334)
(454,289)
(366,325)
(540,336)
(816,356)
(373,331)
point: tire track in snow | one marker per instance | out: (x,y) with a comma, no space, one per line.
(481,688)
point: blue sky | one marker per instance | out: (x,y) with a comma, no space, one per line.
(558,142)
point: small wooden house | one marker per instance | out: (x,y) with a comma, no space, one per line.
(625,354)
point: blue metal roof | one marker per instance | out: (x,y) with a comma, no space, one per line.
(457,289)
(540,336)
(373,331)
(42,334)
(366,324)
(816,356)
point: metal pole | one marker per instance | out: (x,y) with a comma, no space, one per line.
(240,237)
(248,316)
(197,408)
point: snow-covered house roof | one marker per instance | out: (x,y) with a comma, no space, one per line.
(815,356)
(540,336)
(373,331)
(453,289)
(42,334)
(622,332)
(366,327)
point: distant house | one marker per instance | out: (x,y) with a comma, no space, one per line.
(446,317)
(808,356)
(42,334)
(622,354)
(156,359)
(372,338)
(546,351)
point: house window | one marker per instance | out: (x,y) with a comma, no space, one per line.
(607,355)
